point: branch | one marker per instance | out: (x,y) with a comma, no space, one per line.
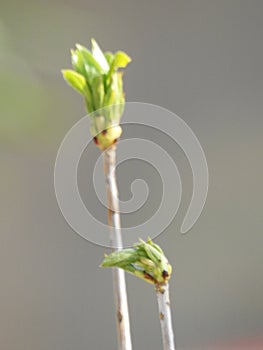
(165,316)
(119,284)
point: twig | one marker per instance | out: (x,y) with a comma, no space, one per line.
(165,316)
(119,284)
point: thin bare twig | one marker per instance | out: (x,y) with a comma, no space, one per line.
(163,299)
(119,284)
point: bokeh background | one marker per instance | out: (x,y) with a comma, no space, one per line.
(202,60)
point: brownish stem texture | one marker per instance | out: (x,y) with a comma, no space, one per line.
(119,284)
(164,307)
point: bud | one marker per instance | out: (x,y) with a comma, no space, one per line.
(108,137)
(145,260)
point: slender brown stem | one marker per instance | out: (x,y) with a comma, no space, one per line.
(119,284)
(163,299)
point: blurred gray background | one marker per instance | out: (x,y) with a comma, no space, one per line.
(201,59)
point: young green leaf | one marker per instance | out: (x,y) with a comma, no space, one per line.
(75,80)
(121,59)
(109,57)
(120,258)
(99,56)
(156,246)
(89,60)
(109,98)
(77,62)
(98,92)
(152,253)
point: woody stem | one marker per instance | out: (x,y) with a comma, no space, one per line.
(118,275)
(163,299)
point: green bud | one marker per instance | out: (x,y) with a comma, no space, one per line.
(145,260)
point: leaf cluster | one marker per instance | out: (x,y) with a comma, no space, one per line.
(96,76)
